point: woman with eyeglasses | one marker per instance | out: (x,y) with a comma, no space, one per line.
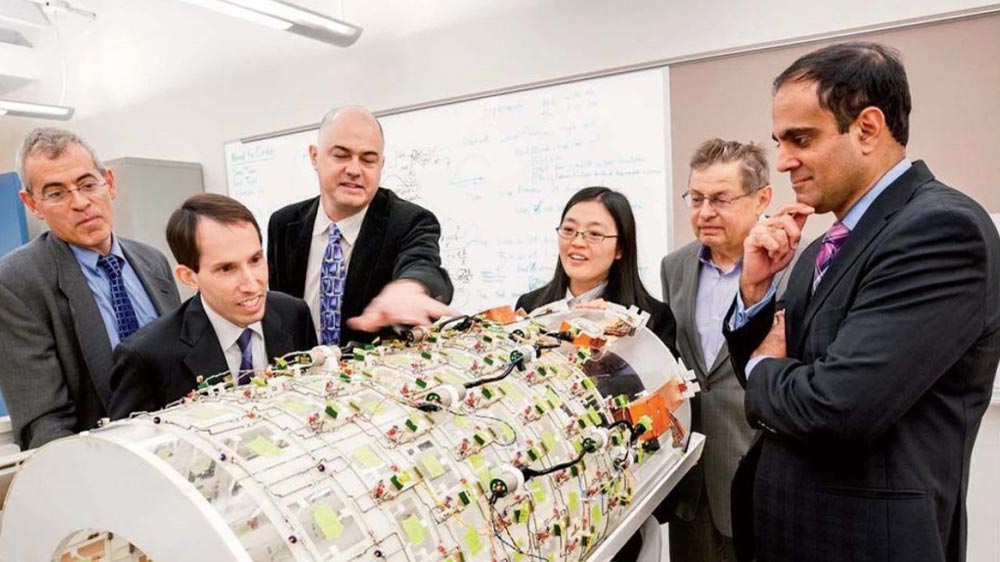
(598,260)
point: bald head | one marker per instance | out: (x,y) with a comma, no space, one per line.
(348,158)
(354,114)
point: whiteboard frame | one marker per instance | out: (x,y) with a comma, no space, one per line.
(702,56)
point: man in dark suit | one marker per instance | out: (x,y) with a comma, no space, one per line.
(230,328)
(871,385)
(728,191)
(360,256)
(70,295)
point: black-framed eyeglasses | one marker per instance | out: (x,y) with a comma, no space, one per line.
(62,195)
(589,236)
(719,203)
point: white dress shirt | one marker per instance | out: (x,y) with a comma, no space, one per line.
(349,230)
(228,333)
(586,296)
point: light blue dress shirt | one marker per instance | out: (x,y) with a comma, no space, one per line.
(100,287)
(742,315)
(716,289)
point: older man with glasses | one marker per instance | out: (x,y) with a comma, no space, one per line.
(728,189)
(68,297)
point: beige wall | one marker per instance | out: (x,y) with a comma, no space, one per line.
(954,78)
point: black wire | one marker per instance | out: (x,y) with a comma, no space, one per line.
(465,320)
(506,372)
(589,446)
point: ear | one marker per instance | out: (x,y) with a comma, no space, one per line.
(871,128)
(187,276)
(31,204)
(109,176)
(313,154)
(762,198)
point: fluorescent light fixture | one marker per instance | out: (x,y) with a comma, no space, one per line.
(278,14)
(37,110)
(242,13)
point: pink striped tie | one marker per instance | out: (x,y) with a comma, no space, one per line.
(832,242)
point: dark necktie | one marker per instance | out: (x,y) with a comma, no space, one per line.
(331,289)
(832,242)
(125,319)
(246,356)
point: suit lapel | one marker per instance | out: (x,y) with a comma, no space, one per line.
(87,321)
(686,309)
(367,248)
(871,224)
(799,291)
(277,341)
(158,289)
(298,240)
(205,357)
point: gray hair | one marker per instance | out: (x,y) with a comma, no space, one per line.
(52,142)
(750,156)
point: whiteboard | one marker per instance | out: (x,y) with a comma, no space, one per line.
(497,172)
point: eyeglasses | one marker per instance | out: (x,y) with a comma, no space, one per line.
(62,195)
(589,236)
(695,200)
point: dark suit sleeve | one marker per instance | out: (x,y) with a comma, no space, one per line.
(918,309)
(305,326)
(745,340)
(134,385)
(419,257)
(31,376)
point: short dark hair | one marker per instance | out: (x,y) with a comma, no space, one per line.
(624,284)
(182,228)
(753,162)
(853,76)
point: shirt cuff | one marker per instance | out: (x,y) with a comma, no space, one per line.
(742,314)
(753,363)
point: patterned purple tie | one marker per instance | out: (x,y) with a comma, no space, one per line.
(834,239)
(331,289)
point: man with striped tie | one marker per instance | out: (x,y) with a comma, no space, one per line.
(363,258)
(69,296)
(229,331)
(870,387)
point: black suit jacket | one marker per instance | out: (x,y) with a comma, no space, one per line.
(160,363)
(398,240)
(869,423)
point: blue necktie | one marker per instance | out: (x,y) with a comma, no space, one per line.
(331,289)
(246,356)
(125,318)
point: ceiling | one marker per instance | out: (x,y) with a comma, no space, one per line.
(136,48)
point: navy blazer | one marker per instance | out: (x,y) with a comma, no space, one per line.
(161,362)
(868,425)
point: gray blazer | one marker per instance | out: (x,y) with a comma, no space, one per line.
(55,375)
(718,411)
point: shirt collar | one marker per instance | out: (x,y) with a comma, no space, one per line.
(853,216)
(350,227)
(587,296)
(705,257)
(226,331)
(88,258)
